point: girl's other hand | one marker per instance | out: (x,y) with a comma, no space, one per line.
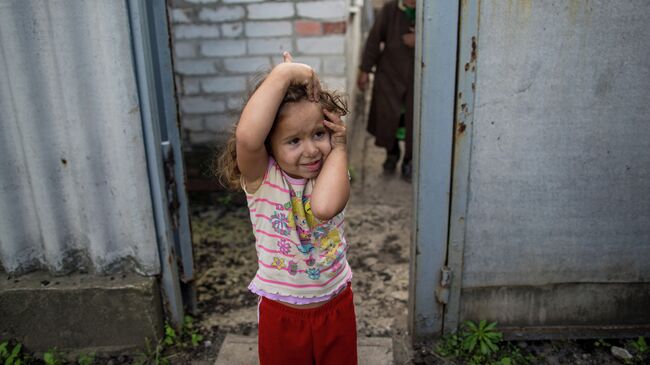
(302,74)
(336,126)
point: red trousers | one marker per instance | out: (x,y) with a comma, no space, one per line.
(326,335)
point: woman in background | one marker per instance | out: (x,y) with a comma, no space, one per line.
(390,50)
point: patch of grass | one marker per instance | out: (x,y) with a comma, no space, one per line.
(481,344)
(53,357)
(12,354)
(162,352)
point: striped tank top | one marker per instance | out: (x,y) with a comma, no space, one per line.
(300,258)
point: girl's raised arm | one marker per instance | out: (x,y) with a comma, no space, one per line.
(259,114)
(332,186)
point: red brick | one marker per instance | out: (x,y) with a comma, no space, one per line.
(308,28)
(334,28)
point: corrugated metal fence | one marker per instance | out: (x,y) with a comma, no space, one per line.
(74,191)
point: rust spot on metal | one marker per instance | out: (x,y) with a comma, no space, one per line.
(473,86)
(422,64)
(466,66)
(461,128)
(460,95)
(64,161)
(473,54)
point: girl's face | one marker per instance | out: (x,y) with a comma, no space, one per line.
(299,141)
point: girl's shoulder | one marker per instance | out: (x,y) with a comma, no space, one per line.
(252,188)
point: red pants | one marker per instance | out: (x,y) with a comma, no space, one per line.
(326,335)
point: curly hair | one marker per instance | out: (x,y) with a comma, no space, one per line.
(225,162)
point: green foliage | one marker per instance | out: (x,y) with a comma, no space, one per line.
(188,336)
(481,344)
(170,335)
(52,357)
(153,355)
(86,359)
(482,335)
(640,346)
(15,356)
(602,343)
(225,200)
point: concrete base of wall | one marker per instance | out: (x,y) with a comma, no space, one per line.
(566,310)
(80,312)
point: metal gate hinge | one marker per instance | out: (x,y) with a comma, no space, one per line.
(442,291)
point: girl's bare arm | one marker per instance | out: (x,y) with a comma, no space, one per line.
(332,186)
(259,113)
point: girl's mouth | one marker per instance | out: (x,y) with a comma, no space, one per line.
(313,166)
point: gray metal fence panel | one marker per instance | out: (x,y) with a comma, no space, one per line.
(558,199)
(74,191)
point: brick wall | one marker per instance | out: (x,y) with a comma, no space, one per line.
(219,46)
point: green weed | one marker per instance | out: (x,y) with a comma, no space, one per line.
(86,359)
(188,336)
(481,344)
(12,354)
(52,357)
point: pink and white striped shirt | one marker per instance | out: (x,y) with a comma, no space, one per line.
(300,258)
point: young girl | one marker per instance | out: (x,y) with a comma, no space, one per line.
(289,155)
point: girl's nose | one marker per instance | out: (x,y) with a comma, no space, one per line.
(310,149)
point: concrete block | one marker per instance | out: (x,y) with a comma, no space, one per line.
(223,84)
(220,123)
(196,31)
(179,16)
(270,10)
(322,9)
(268,29)
(246,65)
(201,105)
(194,67)
(240,350)
(235,103)
(194,124)
(203,138)
(321,45)
(270,46)
(231,30)
(222,14)
(84,313)
(223,48)
(334,66)
(184,49)
(334,83)
(191,86)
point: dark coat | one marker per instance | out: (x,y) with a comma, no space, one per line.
(393,81)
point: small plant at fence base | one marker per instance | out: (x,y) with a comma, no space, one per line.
(480,343)
(188,337)
(11,354)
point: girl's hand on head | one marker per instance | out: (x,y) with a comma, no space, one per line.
(301,74)
(336,126)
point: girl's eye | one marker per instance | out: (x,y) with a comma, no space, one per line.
(294,141)
(320,134)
